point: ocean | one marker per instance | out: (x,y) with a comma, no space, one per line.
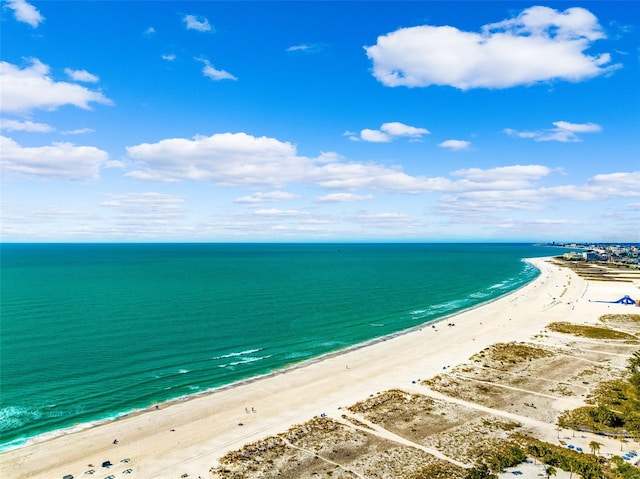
(90,332)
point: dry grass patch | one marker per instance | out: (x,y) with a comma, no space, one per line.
(413,416)
(323,448)
(591,332)
(620,318)
(494,396)
(505,354)
(477,438)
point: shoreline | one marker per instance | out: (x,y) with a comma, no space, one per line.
(187,436)
(118,416)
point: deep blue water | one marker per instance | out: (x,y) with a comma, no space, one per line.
(91,331)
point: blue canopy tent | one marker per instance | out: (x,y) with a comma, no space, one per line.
(626,299)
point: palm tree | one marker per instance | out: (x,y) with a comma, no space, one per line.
(550,471)
(595,447)
(634,362)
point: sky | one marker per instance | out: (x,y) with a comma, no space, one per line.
(278,121)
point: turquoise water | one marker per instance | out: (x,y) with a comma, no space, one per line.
(92,331)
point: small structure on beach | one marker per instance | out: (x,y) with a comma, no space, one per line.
(626,299)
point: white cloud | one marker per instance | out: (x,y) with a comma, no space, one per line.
(148,205)
(25,12)
(277,212)
(60,160)
(397,129)
(374,136)
(242,159)
(471,202)
(114,164)
(578,127)
(81,75)
(455,145)
(210,71)
(306,48)
(32,88)
(541,44)
(617,184)
(79,131)
(389,132)
(523,194)
(564,131)
(225,157)
(500,178)
(149,32)
(169,57)
(260,198)
(200,24)
(15,125)
(573,23)
(298,48)
(343,198)
(355,176)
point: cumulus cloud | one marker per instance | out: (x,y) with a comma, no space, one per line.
(524,194)
(117,164)
(25,12)
(564,131)
(78,131)
(470,202)
(389,132)
(149,32)
(32,88)
(541,44)
(225,157)
(15,125)
(169,57)
(81,75)
(374,136)
(150,204)
(269,197)
(343,198)
(210,71)
(194,22)
(306,48)
(359,176)
(500,178)
(623,184)
(59,160)
(455,145)
(242,159)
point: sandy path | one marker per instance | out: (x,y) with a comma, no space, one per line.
(187,437)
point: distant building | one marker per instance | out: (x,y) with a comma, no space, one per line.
(591,256)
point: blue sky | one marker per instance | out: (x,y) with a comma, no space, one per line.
(320,121)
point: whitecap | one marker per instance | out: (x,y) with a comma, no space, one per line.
(248,359)
(241,353)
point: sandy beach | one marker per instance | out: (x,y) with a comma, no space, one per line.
(186,438)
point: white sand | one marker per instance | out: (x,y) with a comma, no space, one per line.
(188,436)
